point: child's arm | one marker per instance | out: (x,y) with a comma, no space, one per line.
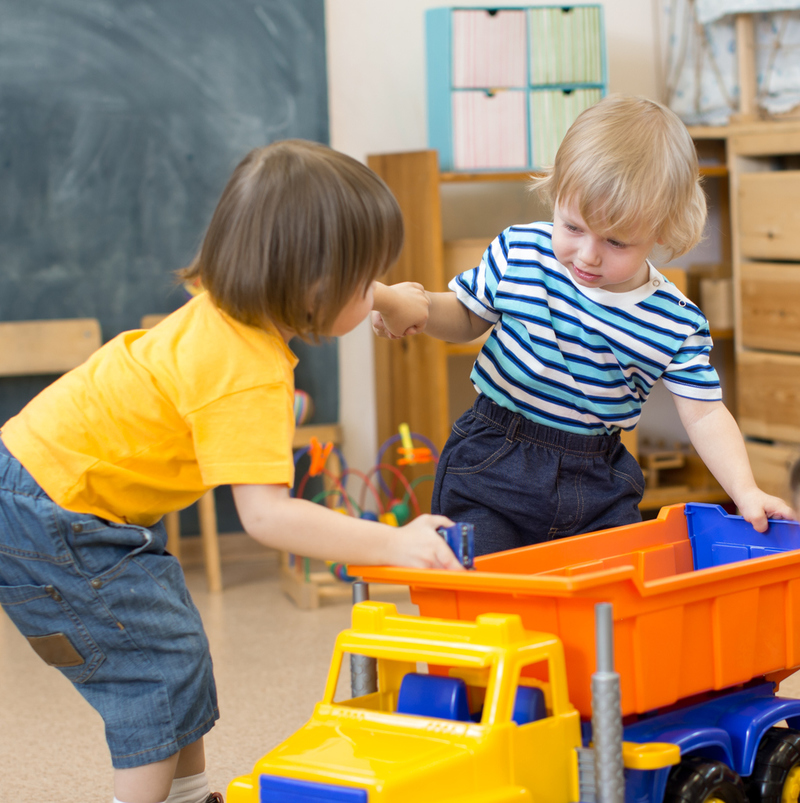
(275,519)
(407,309)
(716,436)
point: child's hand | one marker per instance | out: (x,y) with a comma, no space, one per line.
(379,327)
(400,310)
(419,545)
(758,506)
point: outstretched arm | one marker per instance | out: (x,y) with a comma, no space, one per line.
(716,436)
(407,309)
(278,520)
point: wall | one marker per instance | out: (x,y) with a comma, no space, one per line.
(376,92)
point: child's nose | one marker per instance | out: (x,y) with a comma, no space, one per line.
(588,252)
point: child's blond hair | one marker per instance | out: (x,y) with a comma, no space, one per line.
(630,167)
(300,229)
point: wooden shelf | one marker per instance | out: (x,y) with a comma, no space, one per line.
(714,171)
(452,177)
(661,497)
(759,127)
(722,334)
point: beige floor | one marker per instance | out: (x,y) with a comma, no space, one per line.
(270,662)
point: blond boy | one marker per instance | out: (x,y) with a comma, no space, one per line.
(582,326)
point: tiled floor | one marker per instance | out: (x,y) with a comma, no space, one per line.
(270,662)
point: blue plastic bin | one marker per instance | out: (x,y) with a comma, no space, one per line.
(719,538)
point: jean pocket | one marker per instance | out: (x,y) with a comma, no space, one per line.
(53,629)
(627,469)
(102,549)
(478,448)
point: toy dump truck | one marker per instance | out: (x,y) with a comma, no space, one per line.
(706,621)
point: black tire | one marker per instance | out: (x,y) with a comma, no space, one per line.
(778,754)
(697,780)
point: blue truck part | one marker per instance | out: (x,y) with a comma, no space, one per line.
(727,728)
(719,538)
(460,538)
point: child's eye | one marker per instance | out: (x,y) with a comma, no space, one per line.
(569,227)
(616,244)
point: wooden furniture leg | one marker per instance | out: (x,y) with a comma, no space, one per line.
(207,512)
(172,523)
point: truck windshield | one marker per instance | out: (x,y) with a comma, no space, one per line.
(442,692)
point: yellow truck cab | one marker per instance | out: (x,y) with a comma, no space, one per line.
(488,722)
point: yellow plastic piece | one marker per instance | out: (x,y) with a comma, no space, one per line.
(388,518)
(791,786)
(405,437)
(398,758)
(650,755)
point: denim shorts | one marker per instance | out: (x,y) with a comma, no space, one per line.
(107,605)
(522,483)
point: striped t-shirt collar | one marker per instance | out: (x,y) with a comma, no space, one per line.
(621,300)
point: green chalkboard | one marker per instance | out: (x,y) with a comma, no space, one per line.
(120,123)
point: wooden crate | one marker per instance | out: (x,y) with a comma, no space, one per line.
(771,463)
(768,388)
(769,214)
(770,306)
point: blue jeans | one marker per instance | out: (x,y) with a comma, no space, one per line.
(522,483)
(108,606)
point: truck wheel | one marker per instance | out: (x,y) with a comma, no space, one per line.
(698,780)
(776,775)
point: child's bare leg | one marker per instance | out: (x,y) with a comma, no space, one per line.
(151,783)
(191,760)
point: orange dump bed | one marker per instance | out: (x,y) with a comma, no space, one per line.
(678,631)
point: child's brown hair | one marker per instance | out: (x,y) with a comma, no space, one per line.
(628,163)
(299,230)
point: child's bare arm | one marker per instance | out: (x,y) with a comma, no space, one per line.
(716,436)
(407,309)
(275,519)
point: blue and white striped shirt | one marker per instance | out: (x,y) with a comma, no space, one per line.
(576,358)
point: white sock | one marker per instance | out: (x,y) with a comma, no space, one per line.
(191,789)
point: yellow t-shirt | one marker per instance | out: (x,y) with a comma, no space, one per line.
(156,417)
